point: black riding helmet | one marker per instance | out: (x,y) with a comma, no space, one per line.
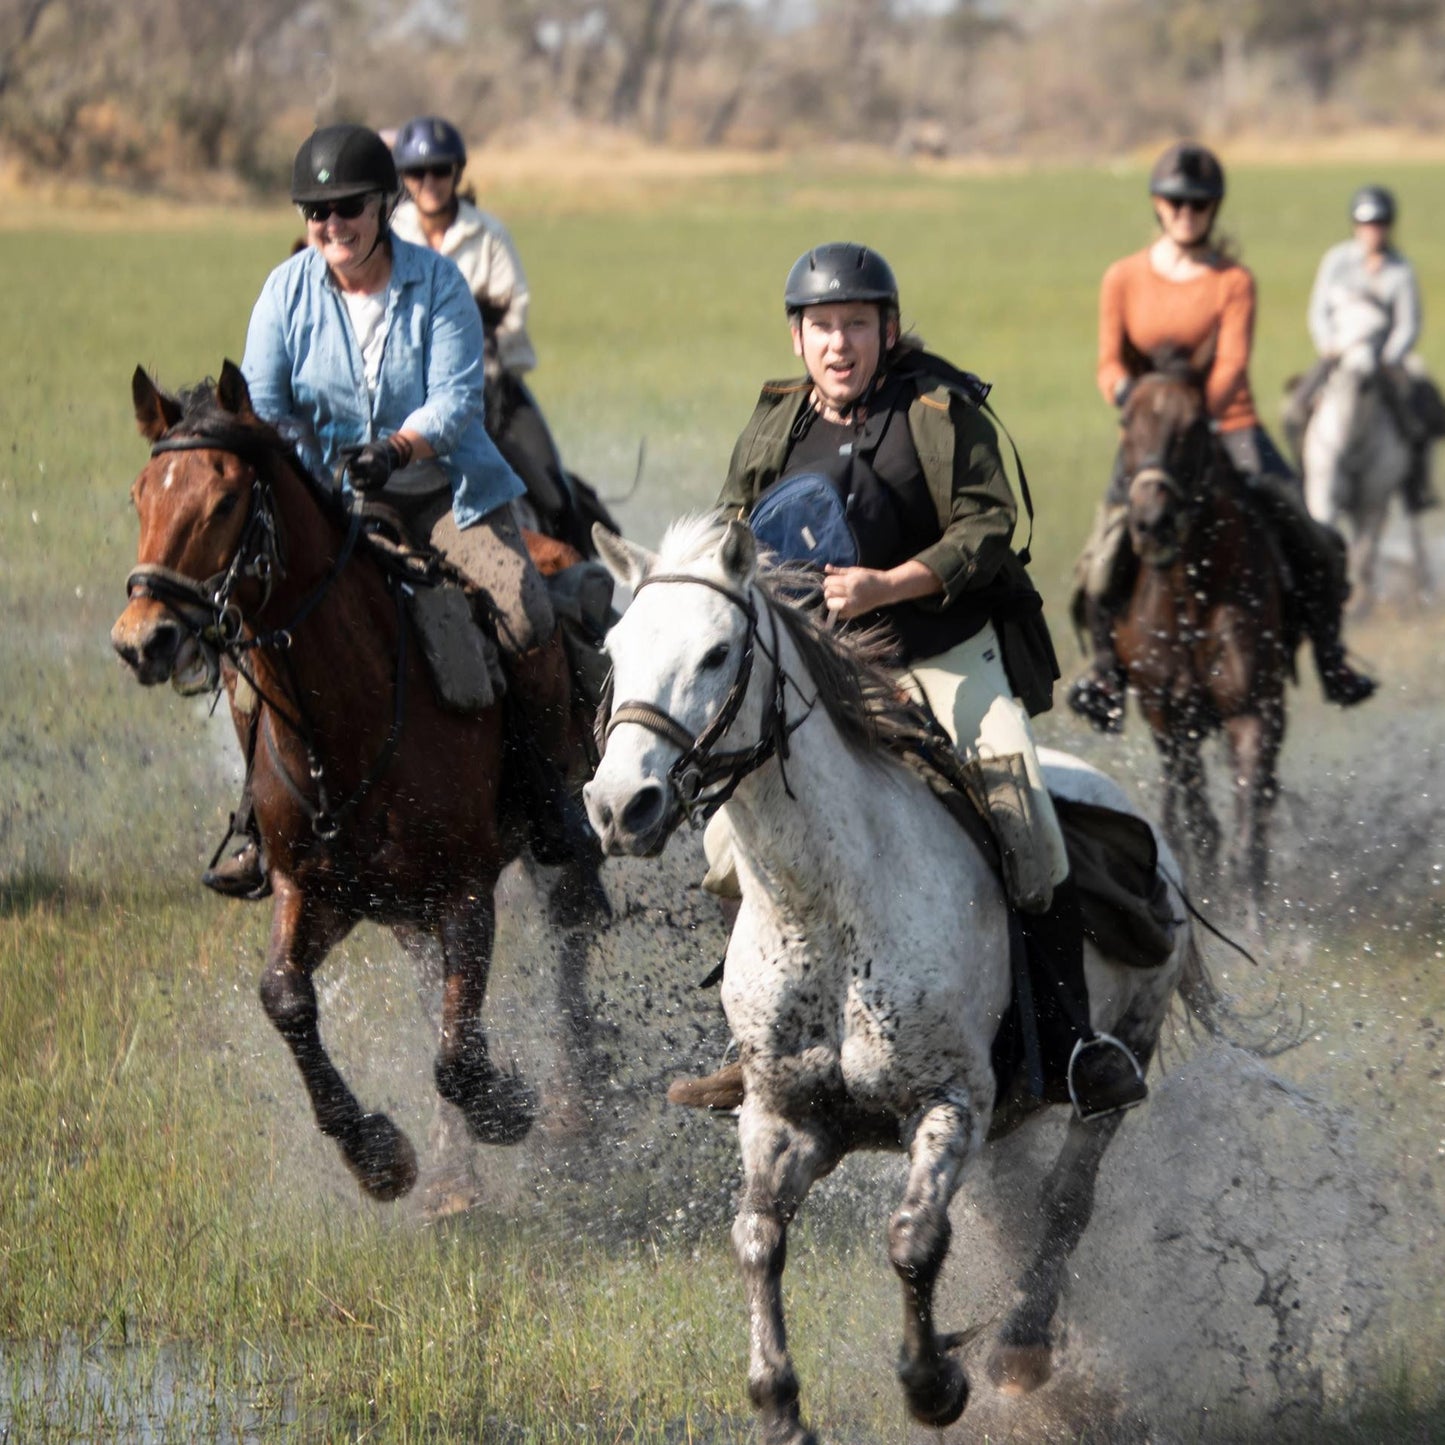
(839,271)
(1372,206)
(338,161)
(1187,172)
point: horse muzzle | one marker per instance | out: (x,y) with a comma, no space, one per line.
(156,648)
(635,820)
(1158,522)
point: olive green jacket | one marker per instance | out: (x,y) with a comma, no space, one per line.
(958,450)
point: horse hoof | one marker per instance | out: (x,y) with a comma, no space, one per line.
(502,1111)
(787,1430)
(381,1157)
(936,1396)
(1020,1369)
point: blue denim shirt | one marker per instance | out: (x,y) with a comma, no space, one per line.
(305,372)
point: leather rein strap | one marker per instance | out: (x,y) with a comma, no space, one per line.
(698,767)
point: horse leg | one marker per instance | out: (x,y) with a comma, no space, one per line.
(934,1384)
(302,932)
(499,1107)
(1424,573)
(1021,1361)
(453,1181)
(1364,561)
(1197,834)
(578,910)
(780,1162)
(1254,740)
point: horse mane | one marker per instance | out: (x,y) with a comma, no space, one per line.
(848,667)
(202,415)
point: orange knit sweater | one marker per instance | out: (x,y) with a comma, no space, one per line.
(1140,307)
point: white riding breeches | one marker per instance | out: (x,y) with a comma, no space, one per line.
(968,690)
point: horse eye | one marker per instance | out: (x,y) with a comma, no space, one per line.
(228,504)
(715,658)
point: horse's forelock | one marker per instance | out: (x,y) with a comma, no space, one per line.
(691,539)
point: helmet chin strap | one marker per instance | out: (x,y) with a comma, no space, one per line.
(383,226)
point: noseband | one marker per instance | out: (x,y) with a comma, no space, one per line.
(698,766)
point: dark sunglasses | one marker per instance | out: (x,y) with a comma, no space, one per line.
(348,209)
(1192,205)
(438,172)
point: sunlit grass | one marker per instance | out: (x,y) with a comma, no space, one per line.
(167,1211)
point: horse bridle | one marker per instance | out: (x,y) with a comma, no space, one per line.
(207,610)
(698,767)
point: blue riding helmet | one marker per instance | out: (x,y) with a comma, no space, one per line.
(428,140)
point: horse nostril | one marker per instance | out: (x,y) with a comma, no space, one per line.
(643,809)
(160,644)
(600,809)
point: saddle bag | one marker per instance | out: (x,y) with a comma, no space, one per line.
(463,660)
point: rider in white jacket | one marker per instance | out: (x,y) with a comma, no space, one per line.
(1367,269)
(430,155)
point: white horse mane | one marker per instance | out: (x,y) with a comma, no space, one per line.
(848,667)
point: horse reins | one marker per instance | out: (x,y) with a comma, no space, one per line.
(697,766)
(219,630)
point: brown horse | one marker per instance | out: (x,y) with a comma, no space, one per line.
(1205,637)
(373,800)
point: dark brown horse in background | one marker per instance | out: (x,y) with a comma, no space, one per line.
(1205,637)
(374,801)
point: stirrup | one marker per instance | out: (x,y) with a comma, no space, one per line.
(1104,1077)
(242,875)
(1098,702)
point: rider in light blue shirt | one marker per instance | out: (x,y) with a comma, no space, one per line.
(307,374)
(365,351)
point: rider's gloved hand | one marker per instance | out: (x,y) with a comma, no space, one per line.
(1122,388)
(370,467)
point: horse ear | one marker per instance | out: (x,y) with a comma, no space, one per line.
(738,551)
(232,391)
(155,412)
(626,561)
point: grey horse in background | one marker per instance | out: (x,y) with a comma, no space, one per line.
(1356,455)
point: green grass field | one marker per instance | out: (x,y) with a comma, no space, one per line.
(179,1253)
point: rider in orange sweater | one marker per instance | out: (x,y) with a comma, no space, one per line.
(1183,294)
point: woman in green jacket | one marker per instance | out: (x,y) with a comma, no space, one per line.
(880,466)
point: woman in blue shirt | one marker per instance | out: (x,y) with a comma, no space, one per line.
(365,351)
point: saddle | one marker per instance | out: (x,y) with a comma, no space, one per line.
(454,628)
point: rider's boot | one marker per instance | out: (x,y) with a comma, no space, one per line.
(720,1091)
(1098,694)
(244,873)
(1317,557)
(1098,576)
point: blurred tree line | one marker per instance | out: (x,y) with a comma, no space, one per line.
(150,90)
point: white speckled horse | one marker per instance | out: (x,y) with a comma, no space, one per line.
(1355,456)
(868,969)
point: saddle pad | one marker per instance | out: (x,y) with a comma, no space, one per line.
(1124,899)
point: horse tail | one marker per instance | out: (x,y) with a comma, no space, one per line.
(1267,1034)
